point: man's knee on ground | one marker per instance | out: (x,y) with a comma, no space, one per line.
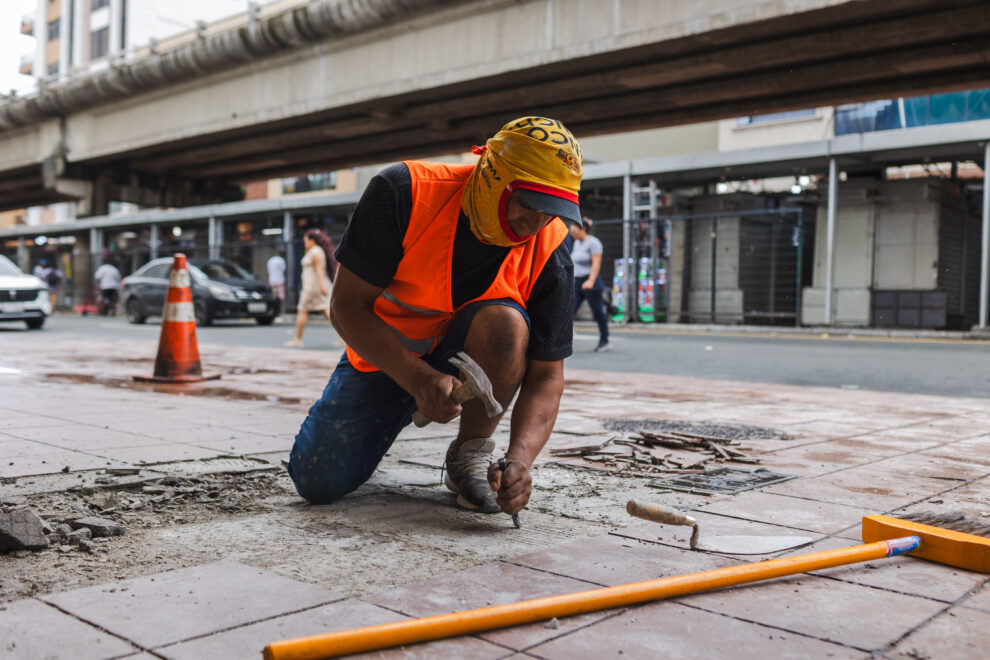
(323,486)
(501,330)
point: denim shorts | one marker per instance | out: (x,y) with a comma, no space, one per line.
(353,424)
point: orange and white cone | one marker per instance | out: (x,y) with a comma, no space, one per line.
(178,354)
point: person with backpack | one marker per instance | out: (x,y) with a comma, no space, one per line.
(50,276)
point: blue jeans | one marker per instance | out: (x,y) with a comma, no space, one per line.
(351,427)
(594,298)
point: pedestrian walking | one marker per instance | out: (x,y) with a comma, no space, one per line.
(318,271)
(107,278)
(587,257)
(276,274)
(50,276)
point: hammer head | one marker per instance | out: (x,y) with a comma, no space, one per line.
(475,378)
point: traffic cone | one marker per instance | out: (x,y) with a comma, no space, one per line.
(178,355)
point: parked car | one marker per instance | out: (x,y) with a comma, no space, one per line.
(23,297)
(220,289)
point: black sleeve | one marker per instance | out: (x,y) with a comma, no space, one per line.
(551,309)
(371,246)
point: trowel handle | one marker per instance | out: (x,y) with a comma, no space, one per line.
(667,515)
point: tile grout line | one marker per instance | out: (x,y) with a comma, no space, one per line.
(250,623)
(96,626)
(922,624)
(773,627)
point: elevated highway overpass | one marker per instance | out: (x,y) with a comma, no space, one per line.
(337,83)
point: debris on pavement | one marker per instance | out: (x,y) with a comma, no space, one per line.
(651,452)
(98,526)
(21,529)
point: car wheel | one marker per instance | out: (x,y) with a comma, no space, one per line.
(134,312)
(265,320)
(203,317)
(35,324)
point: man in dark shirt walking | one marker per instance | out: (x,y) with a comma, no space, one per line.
(441,258)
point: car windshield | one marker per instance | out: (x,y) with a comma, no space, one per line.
(224,270)
(7,267)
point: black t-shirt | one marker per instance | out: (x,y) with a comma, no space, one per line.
(371,248)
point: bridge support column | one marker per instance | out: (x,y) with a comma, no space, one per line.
(628,267)
(22,255)
(985,241)
(153,241)
(214,237)
(833,187)
(290,259)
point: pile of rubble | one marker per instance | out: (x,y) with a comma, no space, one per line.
(22,530)
(73,519)
(648,453)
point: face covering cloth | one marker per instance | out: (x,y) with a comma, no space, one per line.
(532,153)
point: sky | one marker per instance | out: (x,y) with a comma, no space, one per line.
(13,44)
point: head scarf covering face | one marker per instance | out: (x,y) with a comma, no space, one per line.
(531,152)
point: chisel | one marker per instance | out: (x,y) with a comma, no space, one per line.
(515,516)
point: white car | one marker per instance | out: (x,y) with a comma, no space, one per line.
(22,297)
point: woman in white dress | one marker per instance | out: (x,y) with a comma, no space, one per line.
(317,279)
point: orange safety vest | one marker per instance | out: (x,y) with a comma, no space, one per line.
(417,303)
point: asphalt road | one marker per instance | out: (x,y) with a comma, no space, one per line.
(918,366)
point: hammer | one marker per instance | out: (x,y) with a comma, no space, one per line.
(475,386)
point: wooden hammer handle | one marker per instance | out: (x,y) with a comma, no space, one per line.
(459,395)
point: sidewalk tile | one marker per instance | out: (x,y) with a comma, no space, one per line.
(924,464)
(614,560)
(822,608)
(799,513)
(162,453)
(710,525)
(177,605)
(864,486)
(52,463)
(11,447)
(495,583)
(258,444)
(980,600)
(82,437)
(959,634)
(813,459)
(487,585)
(32,630)
(975,451)
(907,575)
(669,630)
(248,641)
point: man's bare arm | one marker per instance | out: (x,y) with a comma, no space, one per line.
(352,313)
(533,416)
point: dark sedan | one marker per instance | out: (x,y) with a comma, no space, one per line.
(221,290)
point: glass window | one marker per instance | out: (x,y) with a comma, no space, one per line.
(54,27)
(7,267)
(224,270)
(159,271)
(99,43)
(776,116)
(99,4)
(52,69)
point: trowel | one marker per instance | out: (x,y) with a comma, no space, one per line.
(727,545)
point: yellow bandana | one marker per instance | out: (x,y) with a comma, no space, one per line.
(534,153)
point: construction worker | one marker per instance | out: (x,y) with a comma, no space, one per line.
(439,258)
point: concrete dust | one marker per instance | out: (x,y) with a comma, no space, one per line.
(400,527)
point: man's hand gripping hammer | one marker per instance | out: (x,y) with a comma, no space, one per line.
(475,386)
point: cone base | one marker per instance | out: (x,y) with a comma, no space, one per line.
(175,379)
